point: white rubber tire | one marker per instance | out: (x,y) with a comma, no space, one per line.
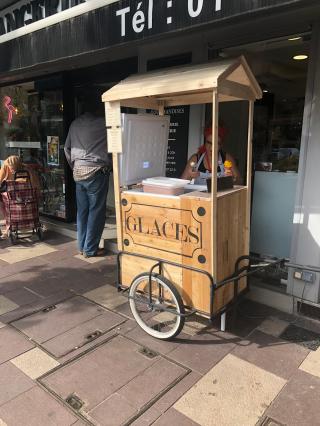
(176,298)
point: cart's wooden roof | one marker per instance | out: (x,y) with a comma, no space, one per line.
(232,78)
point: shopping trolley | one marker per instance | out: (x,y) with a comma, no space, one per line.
(21,210)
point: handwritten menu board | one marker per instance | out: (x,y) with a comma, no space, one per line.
(113,119)
(177,156)
(178,140)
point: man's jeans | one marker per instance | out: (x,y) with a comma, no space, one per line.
(91,211)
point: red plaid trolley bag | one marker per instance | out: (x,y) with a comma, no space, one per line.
(21,206)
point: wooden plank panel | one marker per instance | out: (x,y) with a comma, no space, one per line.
(161,106)
(236,90)
(117,196)
(164,88)
(180,79)
(115,161)
(132,266)
(189,99)
(225,98)
(231,241)
(172,229)
(196,285)
(184,79)
(253,82)
(214,162)
(161,227)
(184,211)
(145,102)
(239,75)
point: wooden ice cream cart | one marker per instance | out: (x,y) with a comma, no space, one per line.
(186,253)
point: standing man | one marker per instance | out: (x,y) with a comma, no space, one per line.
(86,152)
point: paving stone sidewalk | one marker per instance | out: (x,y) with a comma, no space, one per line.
(71,354)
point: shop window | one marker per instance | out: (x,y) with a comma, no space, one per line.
(281,67)
(32,127)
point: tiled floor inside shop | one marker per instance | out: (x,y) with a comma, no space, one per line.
(71,354)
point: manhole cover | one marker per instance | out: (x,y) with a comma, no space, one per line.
(301,336)
(115,379)
(68,326)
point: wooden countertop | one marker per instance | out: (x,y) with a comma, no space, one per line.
(194,194)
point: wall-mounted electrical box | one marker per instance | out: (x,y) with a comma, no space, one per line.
(304,282)
(307,276)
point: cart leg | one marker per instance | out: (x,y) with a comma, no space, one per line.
(223,322)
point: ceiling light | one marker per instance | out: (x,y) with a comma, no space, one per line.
(265,91)
(300,57)
(294,38)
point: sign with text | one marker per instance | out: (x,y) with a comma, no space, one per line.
(126,20)
(178,140)
(113,120)
(177,154)
(163,229)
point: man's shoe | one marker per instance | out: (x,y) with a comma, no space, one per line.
(98,253)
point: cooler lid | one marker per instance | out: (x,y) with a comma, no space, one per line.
(166,182)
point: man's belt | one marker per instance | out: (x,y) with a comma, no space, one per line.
(106,170)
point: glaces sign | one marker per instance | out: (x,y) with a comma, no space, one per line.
(170,230)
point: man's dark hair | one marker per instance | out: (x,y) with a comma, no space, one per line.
(93,103)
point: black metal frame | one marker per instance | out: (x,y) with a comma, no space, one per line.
(239,273)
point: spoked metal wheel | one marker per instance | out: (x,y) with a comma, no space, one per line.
(157,306)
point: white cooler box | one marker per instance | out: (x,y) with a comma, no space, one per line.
(164,185)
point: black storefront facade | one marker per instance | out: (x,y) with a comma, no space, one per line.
(54,51)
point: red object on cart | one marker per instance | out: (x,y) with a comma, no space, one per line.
(21,206)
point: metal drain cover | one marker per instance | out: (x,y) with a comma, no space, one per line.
(75,402)
(62,328)
(148,352)
(114,379)
(301,336)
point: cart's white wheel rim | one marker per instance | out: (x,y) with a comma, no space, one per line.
(139,320)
